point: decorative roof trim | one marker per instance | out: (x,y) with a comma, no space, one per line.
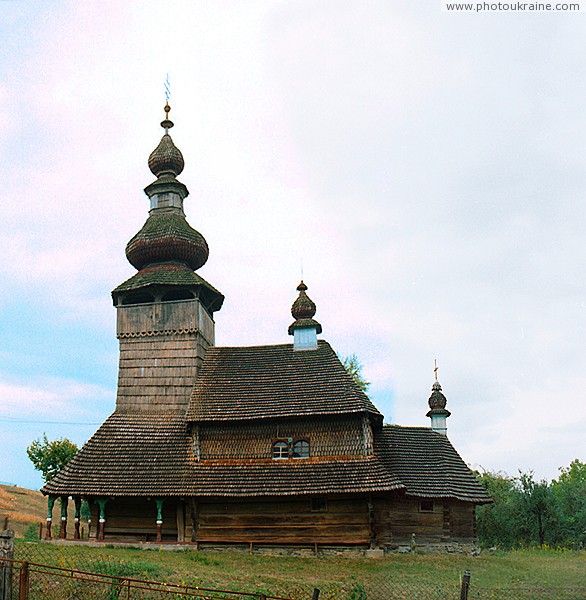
(160,332)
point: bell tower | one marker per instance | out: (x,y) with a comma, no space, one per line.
(165,311)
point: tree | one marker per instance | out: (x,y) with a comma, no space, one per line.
(354,368)
(49,457)
(570,494)
(536,511)
(497,523)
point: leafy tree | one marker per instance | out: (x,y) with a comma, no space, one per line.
(569,491)
(49,457)
(354,368)
(535,509)
(496,524)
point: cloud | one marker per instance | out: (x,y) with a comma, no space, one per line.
(52,399)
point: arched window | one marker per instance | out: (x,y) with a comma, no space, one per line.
(280,450)
(301,449)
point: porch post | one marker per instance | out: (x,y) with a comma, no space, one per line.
(77,501)
(159,519)
(50,503)
(102,520)
(63,532)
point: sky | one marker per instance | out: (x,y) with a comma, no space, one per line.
(424,170)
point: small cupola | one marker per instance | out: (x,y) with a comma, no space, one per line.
(437,404)
(304,329)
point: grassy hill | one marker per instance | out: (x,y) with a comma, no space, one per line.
(25,507)
(22,507)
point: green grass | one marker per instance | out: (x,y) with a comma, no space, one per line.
(289,575)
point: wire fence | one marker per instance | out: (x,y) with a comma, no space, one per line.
(79,571)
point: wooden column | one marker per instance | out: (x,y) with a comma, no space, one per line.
(159,519)
(50,503)
(180,520)
(77,501)
(372,521)
(194,519)
(63,532)
(102,520)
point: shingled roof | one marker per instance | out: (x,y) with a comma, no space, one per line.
(427,464)
(138,454)
(254,382)
(141,454)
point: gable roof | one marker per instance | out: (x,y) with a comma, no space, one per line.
(254,382)
(427,464)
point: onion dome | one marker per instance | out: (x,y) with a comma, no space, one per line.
(167,236)
(166,158)
(303,307)
(437,399)
(303,311)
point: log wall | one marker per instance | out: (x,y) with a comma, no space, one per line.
(398,516)
(280,521)
(135,519)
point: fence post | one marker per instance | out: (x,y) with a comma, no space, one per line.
(465,585)
(7,552)
(315,595)
(23,588)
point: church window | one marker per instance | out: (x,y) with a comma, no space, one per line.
(301,449)
(280,450)
(426,506)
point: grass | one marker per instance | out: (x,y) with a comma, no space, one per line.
(517,569)
(25,507)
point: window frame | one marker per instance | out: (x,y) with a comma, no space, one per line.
(307,446)
(284,451)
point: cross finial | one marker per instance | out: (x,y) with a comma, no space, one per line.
(435,368)
(167,85)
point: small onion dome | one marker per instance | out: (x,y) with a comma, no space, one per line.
(166,158)
(437,399)
(303,310)
(167,237)
(303,307)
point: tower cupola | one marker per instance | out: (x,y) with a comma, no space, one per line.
(167,250)
(305,328)
(437,405)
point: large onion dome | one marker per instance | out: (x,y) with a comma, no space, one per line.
(167,236)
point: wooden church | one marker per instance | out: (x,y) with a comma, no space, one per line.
(272,446)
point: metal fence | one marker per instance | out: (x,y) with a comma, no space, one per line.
(32,581)
(76,572)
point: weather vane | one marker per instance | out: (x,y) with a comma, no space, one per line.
(435,368)
(167,88)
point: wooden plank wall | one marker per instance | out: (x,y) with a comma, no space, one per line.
(398,516)
(136,519)
(158,372)
(282,521)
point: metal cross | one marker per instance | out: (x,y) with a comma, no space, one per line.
(167,88)
(435,368)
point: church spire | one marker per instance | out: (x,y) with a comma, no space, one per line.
(304,329)
(167,250)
